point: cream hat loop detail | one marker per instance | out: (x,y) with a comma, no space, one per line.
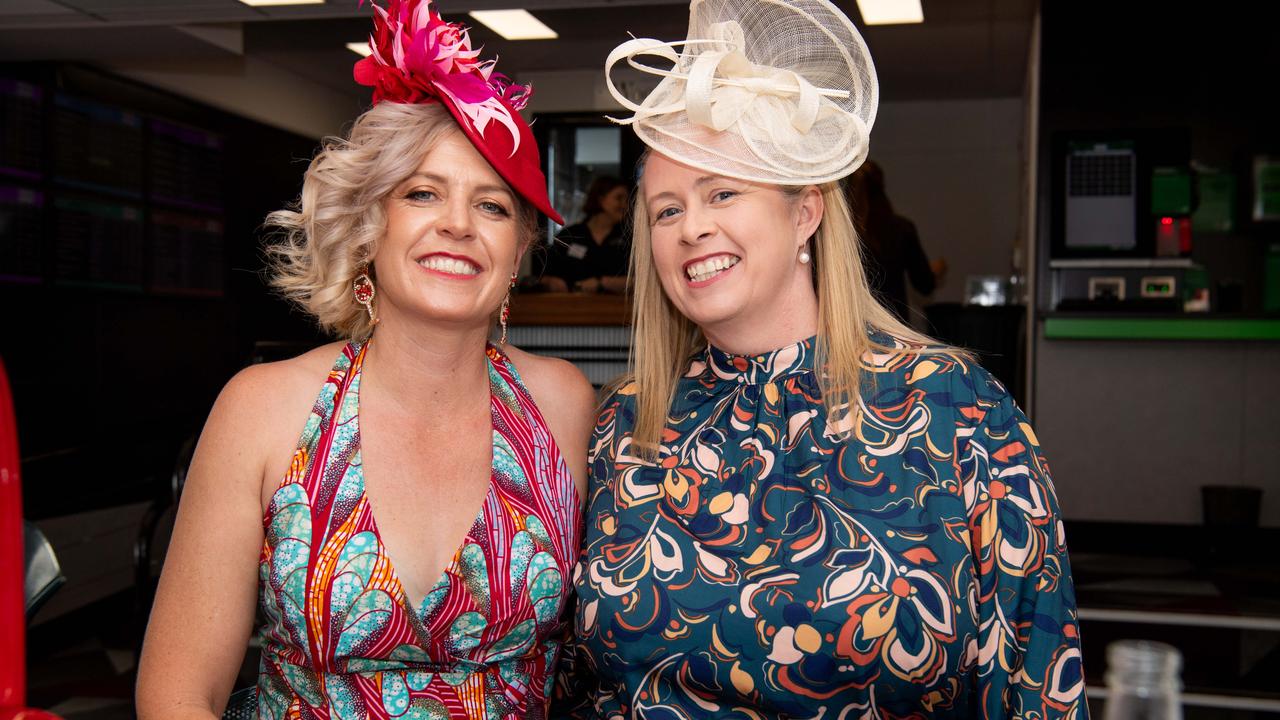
(774,91)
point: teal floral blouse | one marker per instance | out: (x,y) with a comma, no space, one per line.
(907,562)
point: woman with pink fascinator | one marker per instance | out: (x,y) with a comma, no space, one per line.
(401,506)
(799,507)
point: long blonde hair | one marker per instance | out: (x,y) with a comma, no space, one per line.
(663,339)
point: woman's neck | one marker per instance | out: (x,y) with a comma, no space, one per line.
(770,323)
(751,339)
(429,366)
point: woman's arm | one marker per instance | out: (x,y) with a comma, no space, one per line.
(576,686)
(1028,662)
(204,608)
(616,285)
(550,283)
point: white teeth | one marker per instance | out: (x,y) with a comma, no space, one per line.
(711,267)
(448,265)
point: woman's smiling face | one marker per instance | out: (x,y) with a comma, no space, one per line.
(726,250)
(452,239)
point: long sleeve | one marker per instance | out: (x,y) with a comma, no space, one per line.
(578,691)
(1029,663)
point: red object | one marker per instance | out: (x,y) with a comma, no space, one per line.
(417,57)
(13,620)
(1184,236)
(363,289)
(26,714)
(13,608)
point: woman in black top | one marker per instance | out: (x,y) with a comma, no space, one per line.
(893,251)
(592,255)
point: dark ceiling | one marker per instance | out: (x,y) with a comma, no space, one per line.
(964,49)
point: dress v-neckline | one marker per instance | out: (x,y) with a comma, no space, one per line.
(442,577)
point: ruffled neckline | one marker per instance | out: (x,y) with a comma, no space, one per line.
(758,368)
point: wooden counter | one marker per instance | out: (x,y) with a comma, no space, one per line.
(572,309)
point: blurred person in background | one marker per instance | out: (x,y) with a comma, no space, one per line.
(893,251)
(592,255)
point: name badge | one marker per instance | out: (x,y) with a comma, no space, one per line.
(577,252)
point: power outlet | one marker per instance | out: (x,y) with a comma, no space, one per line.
(1106,288)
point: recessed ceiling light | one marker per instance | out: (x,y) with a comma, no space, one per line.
(360,48)
(514,24)
(269,3)
(890,12)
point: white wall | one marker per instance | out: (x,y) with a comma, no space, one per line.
(953,168)
(1133,428)
(252,88)
(569,91)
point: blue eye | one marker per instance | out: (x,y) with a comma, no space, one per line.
(420,195)
(723,195)
(494,208)
(666,213)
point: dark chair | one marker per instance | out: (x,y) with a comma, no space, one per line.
(242,705)
(152,541)
(44,575)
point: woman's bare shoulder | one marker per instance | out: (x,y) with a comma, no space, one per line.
(554,382)
(264,400)
(264,386)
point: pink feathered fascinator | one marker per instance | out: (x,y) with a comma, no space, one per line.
(419,58)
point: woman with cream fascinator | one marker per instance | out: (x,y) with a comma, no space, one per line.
(798,506)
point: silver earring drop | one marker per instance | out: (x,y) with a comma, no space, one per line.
(804,257)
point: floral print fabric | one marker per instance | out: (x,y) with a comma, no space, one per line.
(907,563)
(341,640)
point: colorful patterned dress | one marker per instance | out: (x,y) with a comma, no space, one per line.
(341,640)
(762,568)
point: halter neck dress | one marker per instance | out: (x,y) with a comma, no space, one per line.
(341,638)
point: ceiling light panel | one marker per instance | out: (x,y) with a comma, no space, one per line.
(890,12)
(514,24)
(274,3)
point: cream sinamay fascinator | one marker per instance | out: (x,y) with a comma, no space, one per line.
(772,91)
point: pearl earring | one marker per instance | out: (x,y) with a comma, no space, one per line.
(804,257)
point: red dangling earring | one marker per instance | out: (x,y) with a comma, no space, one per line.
(363,290)
(506,310)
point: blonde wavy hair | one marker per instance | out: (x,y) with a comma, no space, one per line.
(330,233)
(663,339)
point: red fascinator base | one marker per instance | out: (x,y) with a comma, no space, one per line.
(419,58)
